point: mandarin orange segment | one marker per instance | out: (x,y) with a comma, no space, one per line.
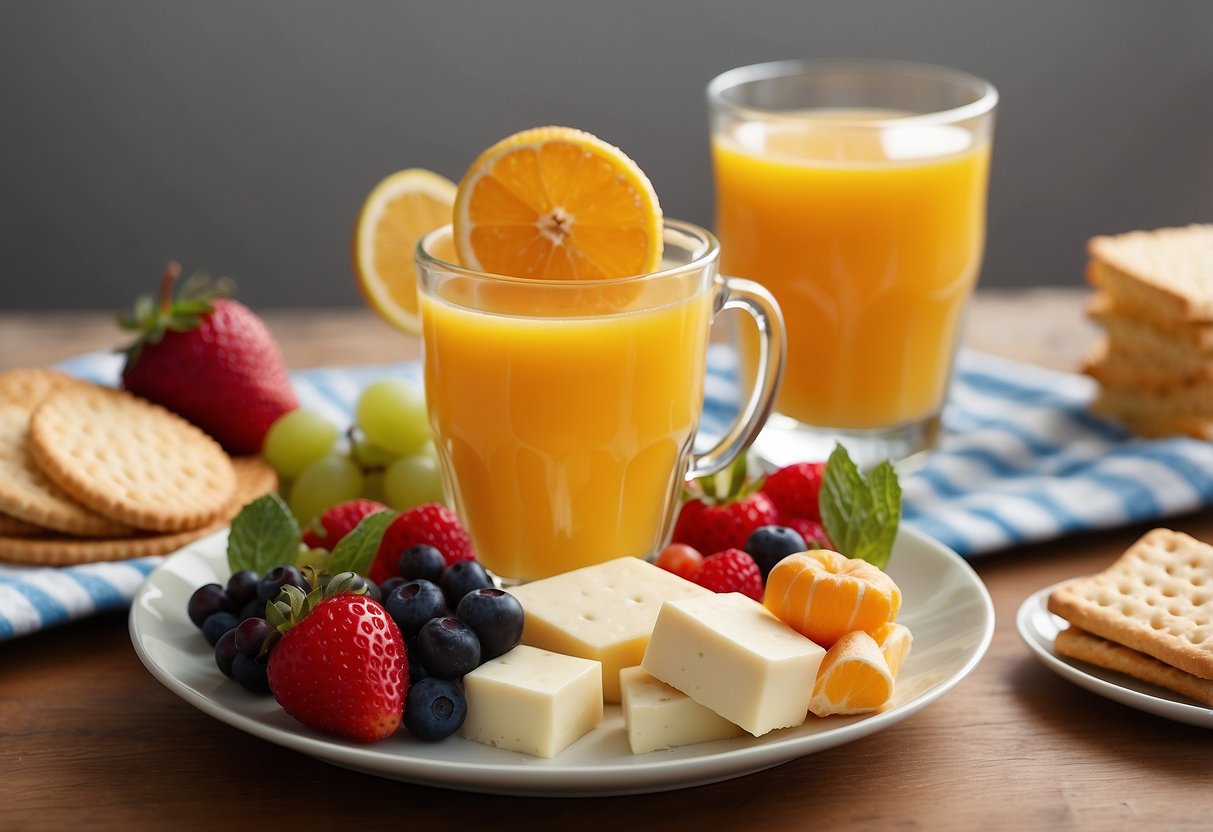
(824,595)
(854,678)
(894,641)
(558,203)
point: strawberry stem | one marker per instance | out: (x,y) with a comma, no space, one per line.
(172,270)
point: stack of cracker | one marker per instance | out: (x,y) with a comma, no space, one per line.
(89,473)
(1150,614)
(1155,303)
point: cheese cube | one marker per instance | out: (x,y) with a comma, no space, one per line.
(730,654)
(657,716)
(603,612)
(533,701)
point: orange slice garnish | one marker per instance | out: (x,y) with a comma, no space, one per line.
(557,203)
(399,211)
(894,641)
(854,678)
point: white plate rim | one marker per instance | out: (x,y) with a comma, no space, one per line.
(545,779)
(1038,627)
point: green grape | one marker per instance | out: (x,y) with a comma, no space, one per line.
(371,456)
(413,480)
(297,439)
(392,415)
(326,482)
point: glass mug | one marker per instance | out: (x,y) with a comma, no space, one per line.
(856,192)
(564,412)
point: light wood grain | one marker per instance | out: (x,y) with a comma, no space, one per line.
(88,739)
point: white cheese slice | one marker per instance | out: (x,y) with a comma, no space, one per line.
(730,654)
(658,716)
(533,701)
(603,612)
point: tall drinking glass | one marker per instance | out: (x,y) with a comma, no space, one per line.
(564,411)
(856,192)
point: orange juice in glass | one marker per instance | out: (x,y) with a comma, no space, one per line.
(856,192)
(564,411)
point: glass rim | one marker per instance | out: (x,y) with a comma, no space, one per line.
(985,92)
(707,246)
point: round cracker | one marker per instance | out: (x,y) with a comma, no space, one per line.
(18,528)
(131,460)
(71,551)
(30,385)
(254,477)
(27,494)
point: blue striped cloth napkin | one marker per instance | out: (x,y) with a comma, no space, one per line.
(1021,460)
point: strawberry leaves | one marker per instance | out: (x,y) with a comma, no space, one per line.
(183,311)
(860,514)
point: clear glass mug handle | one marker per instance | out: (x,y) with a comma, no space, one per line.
(757,302)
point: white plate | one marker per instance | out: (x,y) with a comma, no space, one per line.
(944,604)
(1038,628)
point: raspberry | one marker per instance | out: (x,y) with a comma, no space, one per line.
(338,521)
(794,490)
(716,527)
(432,524)
(731,571)
(814,534)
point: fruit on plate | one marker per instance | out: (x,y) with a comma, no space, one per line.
(297,439)
(681,559)
(824,595)
(853,678)
(432,524)
(794,490)
(721,514)
(554,202)
(731,571)
(340,665)
(399,211)
(768,545)
(338,521)
(894,641)
(208,358)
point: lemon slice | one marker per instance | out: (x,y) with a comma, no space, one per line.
(554,202)
(399,211)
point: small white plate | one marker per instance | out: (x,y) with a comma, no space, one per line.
(944,604)
(1038,628)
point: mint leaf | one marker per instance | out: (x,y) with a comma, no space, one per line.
(264,534)
(860,514)
(356,551)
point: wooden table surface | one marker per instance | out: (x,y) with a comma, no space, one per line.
(89,739)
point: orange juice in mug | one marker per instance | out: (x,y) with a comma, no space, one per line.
(856,192)
(564,411)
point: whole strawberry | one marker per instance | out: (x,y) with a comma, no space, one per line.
(209,359)
(712,523)
(340,665)
(338,521)
(794,490)
(731,571)
(432,524)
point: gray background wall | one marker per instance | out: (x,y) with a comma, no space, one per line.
(241,137)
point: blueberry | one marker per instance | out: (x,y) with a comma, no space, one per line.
(251,634)
(206,601)
(461,578)
(253,609)
(372,589)
(768,545)
(434,709)
(225,652)
(417,670)
(413,604)
(448,648)
(495,616)
(388,584)
(242,587)
(250,673)
(278,577)
(218,624)
(421,561)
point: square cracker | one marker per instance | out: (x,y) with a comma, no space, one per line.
(1169,270)
(1157,599)
(1079,644)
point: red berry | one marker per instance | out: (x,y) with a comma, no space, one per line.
(211,360)
(731,571)
(716,527)
(342,669)
(794,490)
(432,524)
(680,559)
(338,521)
(812,532)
